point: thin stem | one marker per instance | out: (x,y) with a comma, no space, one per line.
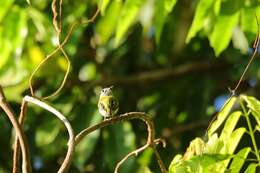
(26,166)
(71,144)
(255,47)
(251,133)
(137,151)
(16,146)
(59,47)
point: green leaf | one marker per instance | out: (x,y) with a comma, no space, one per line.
(240,41)
(119,140)
(4,8)
(175,161)
(223,29)
(28,1)
(239,160)
(12,35)
(103,5)
(204,163)
(248,19)
(222,115)
(230,125)
(145,157)
(230,146)
(110,21)
(127,18)
(162,9)
(254,105)
(202,11)
(251,168)
(214,144)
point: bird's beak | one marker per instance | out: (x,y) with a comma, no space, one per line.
(112,86)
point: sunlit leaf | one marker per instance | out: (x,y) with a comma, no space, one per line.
(254,105)
(214,144)
(176,161)
(127,18)
(202,11)
(248,19)
(103,6)
(223,29)
(4,8)
(110,21)
(239,160)
(196,147)
(12,35)
(234,140)
(202,163)
(251,168)
(14,92)
(162,9)
(230,125)
(239,40)
(230,146)
(41,23)
(222,115)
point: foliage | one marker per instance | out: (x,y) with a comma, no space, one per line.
(217,154)
(159,55)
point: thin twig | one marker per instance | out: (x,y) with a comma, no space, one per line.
(255,47)
(125,117)
(233,91)
(26,166)
(54,18)
(16,146)
(137,151)
(59,47)
(71,144)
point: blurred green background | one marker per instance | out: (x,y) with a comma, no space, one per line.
(172,59)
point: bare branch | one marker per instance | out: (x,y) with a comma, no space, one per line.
(71,144)
(137,151)
(125,117)
(155,75)
(26,166)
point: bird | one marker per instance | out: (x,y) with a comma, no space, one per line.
(108,104)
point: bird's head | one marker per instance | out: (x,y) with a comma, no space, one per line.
(106,91)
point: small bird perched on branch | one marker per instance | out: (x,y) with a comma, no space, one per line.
(107,105)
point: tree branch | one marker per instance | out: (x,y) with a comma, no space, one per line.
(154,75)
(16,146)
(125,117)
(71,144)
(26,166)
